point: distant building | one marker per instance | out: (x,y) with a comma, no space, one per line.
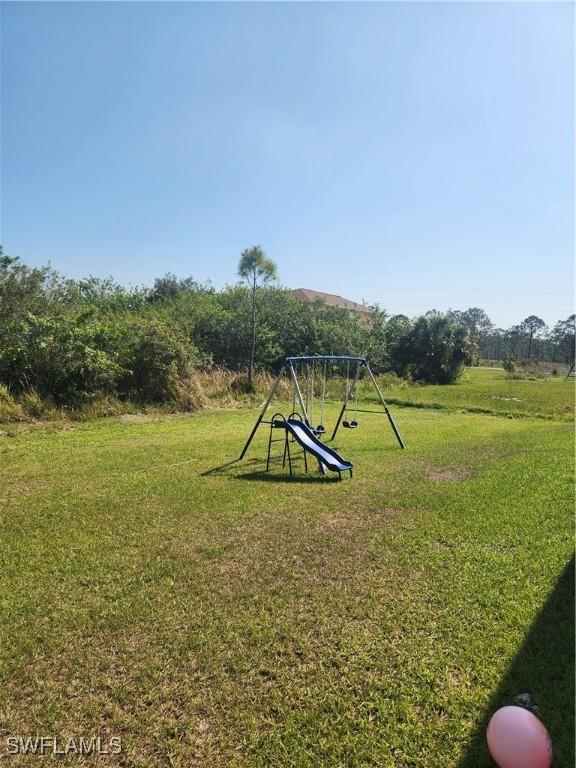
(331,300)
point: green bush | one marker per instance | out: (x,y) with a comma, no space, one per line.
(509,364)
(154,359)
(57,357)
(434,350)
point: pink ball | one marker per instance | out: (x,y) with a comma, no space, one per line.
(517,739)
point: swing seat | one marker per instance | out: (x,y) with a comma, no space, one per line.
(350,424)
(320,429)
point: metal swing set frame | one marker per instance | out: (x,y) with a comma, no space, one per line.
(289,369)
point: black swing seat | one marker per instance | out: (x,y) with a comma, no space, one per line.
(350,424)
(320,429)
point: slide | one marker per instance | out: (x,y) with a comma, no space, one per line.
(308,440)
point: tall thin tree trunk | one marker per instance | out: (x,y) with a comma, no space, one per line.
(253,349)
(530,346)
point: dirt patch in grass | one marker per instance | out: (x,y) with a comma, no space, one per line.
(448,474)
(356,520)
(264,552)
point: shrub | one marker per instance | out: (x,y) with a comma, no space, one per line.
(154,358)
(509,364)
(435,350)
(57,357)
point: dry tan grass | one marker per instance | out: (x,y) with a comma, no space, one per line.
(448,474)
(220,387)
(137,418)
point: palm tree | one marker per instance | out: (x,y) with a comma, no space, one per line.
(256,269)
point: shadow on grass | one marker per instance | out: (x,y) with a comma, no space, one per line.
(221,469)
(544,668)
(272,478)
(232,471)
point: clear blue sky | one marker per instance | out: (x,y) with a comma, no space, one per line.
(415,154)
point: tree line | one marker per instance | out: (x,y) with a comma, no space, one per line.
(530,340)
(71,340)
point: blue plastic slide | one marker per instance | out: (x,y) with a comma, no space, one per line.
(308,440)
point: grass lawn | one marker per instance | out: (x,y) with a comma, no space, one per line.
(222,617)
(490,390)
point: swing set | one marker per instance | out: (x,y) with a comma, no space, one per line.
(302,373)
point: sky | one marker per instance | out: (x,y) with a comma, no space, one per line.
(417,155)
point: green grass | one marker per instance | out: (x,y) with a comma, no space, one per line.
(491,391)
(222,617)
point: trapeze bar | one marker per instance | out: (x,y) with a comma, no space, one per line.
(321,358)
